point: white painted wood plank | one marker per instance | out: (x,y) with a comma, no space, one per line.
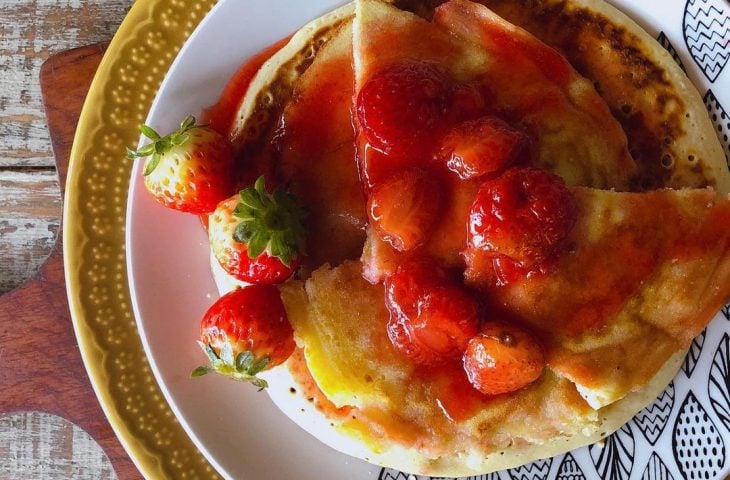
(31,31)
(42,446)
(30,215)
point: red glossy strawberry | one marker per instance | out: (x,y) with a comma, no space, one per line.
(480,147)
(469,101)
(400,107)
(404,208)
(245,332)
(502,358)
(431,317)
(258,237)
(190,170)
(525,214)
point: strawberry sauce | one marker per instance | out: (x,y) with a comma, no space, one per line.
(221,115)
(448,387)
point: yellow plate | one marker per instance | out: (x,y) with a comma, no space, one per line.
(93,223)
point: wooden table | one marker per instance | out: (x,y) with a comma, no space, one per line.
(36,444)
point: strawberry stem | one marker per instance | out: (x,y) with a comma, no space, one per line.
(243,368)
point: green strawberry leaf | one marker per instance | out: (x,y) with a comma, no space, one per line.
(244,360)
(243,367)
(200,371)
(161,145)
(149,132)
(257,243)
(259,365)
(152,163)
(259,382)
(271,223)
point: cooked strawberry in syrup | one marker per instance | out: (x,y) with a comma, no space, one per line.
(525,215)
(404,208)
(431,317)
(502,358)
(481,147)
(244,332)
(400,110)
(469,101)
(401,106)
(427,140)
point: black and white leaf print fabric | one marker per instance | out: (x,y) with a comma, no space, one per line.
(656,469)
(697,445)
(706,26)
(721,119)
(533,471)
(569,469)
(652,420)
(615,459)
(718,388)
(693,354)
(726,308)
(390,474)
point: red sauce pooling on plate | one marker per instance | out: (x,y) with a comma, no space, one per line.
(220,116)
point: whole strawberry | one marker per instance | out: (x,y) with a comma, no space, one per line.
(245,332)
(257,236)
(190,170)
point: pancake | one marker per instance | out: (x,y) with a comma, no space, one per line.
(670,135)
(563,410)
(575,134)
(645,273)
(669,132)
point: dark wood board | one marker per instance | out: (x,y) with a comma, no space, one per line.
(40,364)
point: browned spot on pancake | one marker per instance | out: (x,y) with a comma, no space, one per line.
(629,79)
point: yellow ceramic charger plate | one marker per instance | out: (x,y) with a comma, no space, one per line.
(133,336)
(94,217)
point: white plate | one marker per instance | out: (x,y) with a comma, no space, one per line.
(683,435)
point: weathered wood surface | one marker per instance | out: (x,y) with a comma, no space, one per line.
(30,32)
(30,209)
(34,318)
(40,365)
(41,445)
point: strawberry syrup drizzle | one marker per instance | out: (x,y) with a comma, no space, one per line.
(448,387)
(221,115)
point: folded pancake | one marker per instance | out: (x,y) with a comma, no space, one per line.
(670,135)
(382,408)
(576,135)
(646,272)
(313,153)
